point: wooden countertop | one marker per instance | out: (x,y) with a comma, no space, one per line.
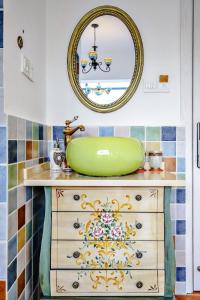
(40,175)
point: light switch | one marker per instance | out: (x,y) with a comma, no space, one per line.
(26,67)
(159,85)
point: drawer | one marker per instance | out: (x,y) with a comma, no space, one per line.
(115,199)
(107,255)
(102,282)
(107,226)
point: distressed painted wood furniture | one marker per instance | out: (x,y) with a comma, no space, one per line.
(107,242)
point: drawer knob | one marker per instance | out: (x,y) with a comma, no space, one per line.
(139,225)
(76,254)
(76,197)
(75,284)
(139,284)
(198,268)
(139,254)
(76,225)
(138,197)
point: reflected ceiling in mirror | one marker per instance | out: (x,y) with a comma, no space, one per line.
(105,59)
(104,73)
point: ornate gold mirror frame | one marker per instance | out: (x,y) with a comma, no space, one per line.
(139,57)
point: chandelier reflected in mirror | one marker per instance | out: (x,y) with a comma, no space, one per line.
(92,63)
(98,90)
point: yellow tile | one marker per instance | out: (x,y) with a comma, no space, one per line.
(20,167)
(152,146)
(49,133)
(21,238)
(35,149)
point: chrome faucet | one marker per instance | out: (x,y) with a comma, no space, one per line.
(68,132)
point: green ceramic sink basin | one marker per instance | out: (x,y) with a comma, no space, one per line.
(105,156)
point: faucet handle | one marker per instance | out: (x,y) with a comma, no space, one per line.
(68,122)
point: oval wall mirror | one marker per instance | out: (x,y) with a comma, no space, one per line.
(105,59)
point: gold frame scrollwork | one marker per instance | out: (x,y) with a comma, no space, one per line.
(139,57)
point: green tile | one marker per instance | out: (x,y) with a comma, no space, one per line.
(12,175)
(28,231)
(138,132)
(152,133)
(35,131)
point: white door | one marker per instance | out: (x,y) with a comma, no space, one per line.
(196,146)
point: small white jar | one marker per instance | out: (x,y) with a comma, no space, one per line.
(155,159)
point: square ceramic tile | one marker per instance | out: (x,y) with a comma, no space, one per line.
(180,288)
(152,146)
(21,238)
(12,293)
(12,200)
(3,221)
(173,195)
(180,133)
(12,273)
(41,148)
(29,133)
(29,229)
(106,131)
(180,227)
(12,128)
(28,211)
(180,149)
(3,262)
(20,174)
(29,251)
(180,212)
(170,164)
(180,242)
(28,193)
(180,258)
(12,249)
(138,132)
(21,154)
(122,131)
(21,216)
(35,129)
(152,133)
(21,261)
(3,116)
(91,131)
(3,290)
(35,149)
(168,133)
(12,151)
(21,196)
(3,184)
(41,132)
(180,195)
(21,129)
(28,150)
(12,224)
(58,132)
(3,145)
(12,176)
(168,148)
(28,288)
(180,164)
(173,211)
(180,274)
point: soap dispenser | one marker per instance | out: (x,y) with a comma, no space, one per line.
(56,157)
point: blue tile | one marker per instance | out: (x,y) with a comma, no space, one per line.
(180,227)
(3,221)
(28,193)
(41,133)
(1,3)
(12,294)
(12,151)
(28,271)
(169,148)
(21,150)
(181,274)
(3,184)
(12,249)
(106,131)
(12,273)
(29,130)
(180,164)
(180,195)
(41,149)
(168,133)
(1,29)
(12,200)
(58,132)
(3,143)
(3,263)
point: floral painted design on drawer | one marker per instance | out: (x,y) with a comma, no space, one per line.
(101,282)
(127,200)
(100,226)
(107,255)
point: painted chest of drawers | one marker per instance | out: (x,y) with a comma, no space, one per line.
(107,241)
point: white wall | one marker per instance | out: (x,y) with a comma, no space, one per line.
(159,25)
(24,98)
